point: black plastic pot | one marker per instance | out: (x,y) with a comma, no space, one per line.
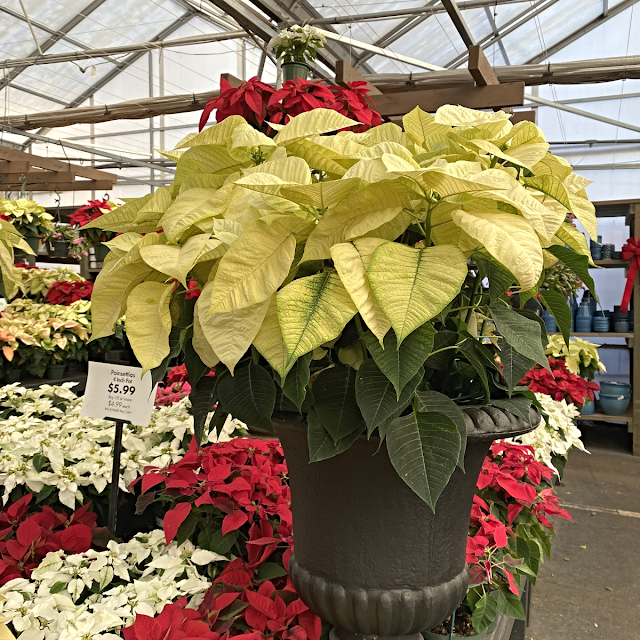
(55,371)
(101,251)
(60,248)
(370,556)
(13,376)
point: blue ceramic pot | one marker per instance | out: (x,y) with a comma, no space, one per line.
(621,326)
(614,405)
(588,408)
(584,318)
(600,325)
(596,252)
(610,388)
(549,322)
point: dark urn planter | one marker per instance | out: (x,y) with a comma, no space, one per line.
(370,557)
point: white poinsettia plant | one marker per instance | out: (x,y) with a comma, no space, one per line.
(351,264)
(96,593)
(556,435)
(580,356)
(298,44)
(49,449)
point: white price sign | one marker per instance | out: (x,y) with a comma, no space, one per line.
(119,393)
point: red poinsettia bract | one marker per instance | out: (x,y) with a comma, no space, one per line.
(243,485)
(175,622)
(68,292)
(515,484)
(88,212)
(26,538)
(258,102)
(560,384)
(249,100)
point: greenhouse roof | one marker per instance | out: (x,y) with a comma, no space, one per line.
(511,32)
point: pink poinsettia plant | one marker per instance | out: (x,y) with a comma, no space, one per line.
(509,530)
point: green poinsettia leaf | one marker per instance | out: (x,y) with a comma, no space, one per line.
(249,395)
(423,449)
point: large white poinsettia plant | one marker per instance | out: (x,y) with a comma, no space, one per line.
(344,275)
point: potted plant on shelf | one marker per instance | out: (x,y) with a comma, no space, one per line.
(295,47)
(343,302)
(29,219)
(85,214)
(59,240)
(10,241)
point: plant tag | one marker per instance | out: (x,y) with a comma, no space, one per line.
(119,393)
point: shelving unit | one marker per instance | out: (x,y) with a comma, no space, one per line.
(628,210)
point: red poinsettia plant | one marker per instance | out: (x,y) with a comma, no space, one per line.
(233,497)
(27,537)
(88,213)
(258,103)
(67,293)
(509,530)
(560,383)
(249,100)
(175,386)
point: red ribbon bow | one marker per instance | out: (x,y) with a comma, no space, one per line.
(630,251)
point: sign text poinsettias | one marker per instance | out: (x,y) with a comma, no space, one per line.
(233,498)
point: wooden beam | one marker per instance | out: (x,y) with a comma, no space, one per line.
(345,73)
(14,167)
(459,22)
(55,165)
(575,72)
(521,116)
(78,185)
(232,80)
(492,96)
(480,68)
(37,176)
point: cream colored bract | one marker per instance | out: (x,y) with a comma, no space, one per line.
(311,233)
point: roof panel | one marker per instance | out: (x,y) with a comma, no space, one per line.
(53,13)
(119,22)
(549,27)
(16,40)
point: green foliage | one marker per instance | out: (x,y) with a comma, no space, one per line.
(359,278)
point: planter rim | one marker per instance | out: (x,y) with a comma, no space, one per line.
(484,422)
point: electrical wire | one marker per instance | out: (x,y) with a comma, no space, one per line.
(626,55)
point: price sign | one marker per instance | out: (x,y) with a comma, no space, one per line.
(120,393)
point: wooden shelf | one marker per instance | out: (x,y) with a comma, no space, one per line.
(612,264)
(608,334)
(47,258)
(603,417)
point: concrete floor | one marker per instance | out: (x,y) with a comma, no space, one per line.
(594,592)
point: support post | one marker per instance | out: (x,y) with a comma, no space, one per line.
(634,425)
(115,479)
